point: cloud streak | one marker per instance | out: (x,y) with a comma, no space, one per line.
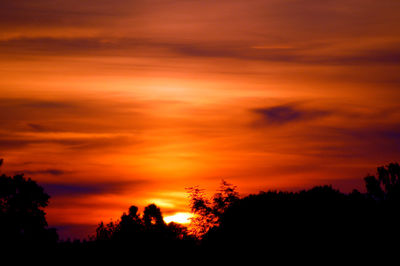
(311,52)
(285,114)
(94,188)
(51,171)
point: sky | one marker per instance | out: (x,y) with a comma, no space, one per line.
(108,104)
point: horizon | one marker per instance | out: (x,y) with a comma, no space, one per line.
(84,232)
(108,106)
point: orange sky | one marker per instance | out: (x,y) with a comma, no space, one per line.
(112,104)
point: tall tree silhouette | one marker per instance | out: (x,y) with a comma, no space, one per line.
(22,218)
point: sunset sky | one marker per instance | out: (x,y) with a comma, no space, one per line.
(108,104)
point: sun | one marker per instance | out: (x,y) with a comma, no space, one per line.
(179,217)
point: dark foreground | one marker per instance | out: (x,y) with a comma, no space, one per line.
(307,224)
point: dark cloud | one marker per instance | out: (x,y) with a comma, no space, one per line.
(49,13)
(95,143)
(10,142)
(67,46)
(30,110)
(284,114)
(302,54)
(350,141)
(383,55)
(6,103)
(37,127)
(68,115)
(72,190)
(15,108)
(42,104)
(78,189)
(52,171)
(311,52)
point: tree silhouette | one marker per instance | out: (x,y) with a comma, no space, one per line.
(208,212)
(128,229)
(386,186)
(320,220)
(142,231)
(152,217)
(22,219)
(104,232)
(178,232)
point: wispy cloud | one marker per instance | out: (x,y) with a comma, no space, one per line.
(284,114)
(50,171)
(308,52)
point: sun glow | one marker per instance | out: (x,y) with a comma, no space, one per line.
(179,217)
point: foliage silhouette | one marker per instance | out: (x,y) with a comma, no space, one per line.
(142,232)
(320,220)
(152,217)
(386,186)
(22,218)
(207,212)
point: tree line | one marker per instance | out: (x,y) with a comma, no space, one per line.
(321,219)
